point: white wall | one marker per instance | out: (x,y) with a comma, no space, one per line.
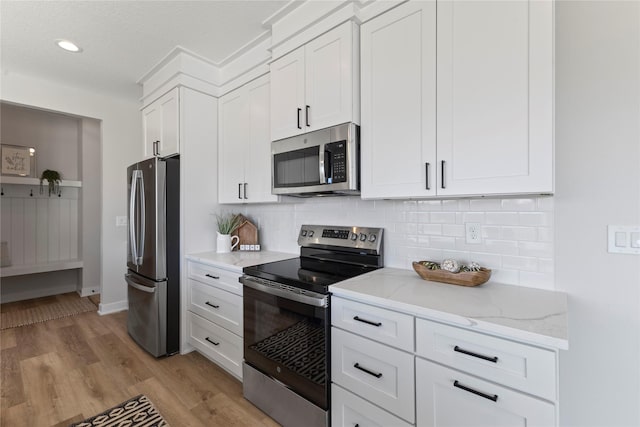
(121,145)
(598,183)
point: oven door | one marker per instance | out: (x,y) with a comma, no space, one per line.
(286,336)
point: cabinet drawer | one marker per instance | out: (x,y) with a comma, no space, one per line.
(218,344)
(380,374)
(348,410)
(386,326)
(450,398)
(520,366)
(217,277)
(218,306)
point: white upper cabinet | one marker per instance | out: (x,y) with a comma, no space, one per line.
(398,131)
(161,126)
(244,171)
(316,85)
(458,101)
(495,97)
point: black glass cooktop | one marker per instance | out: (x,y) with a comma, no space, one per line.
(307,273)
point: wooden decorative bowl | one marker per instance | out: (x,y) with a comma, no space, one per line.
(465,278)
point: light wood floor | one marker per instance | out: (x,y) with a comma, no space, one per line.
(63,371)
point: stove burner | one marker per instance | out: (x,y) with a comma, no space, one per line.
(300,348)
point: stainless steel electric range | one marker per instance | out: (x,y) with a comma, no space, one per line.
(287,321)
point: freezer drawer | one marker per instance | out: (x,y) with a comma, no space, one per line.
(147,317)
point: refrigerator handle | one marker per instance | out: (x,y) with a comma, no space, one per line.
(133,284)
(143,226)
(132,223)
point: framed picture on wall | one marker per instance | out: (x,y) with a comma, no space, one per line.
(18,160)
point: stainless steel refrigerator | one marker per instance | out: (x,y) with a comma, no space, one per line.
(153,256)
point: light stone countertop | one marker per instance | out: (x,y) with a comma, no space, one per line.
(529,315)
(236,261)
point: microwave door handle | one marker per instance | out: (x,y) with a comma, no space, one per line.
(322,158)
(328,166)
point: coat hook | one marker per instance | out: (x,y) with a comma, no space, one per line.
(31,193)
(2,191)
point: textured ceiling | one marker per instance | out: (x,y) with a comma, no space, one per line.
(122,40)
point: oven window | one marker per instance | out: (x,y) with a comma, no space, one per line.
(297,168)
(288,341)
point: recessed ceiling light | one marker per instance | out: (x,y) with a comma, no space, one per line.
(68,46)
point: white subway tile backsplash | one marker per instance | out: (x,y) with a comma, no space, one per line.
(441,242)
(485,205)
(536,219)
(519,204)
(453,230)
(442,217)
(501,218)
(473,217)
(502,247)
(520,263)
(430,229)
(535,249)
(430,205)
(517,233)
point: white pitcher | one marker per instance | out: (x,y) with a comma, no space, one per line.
(226,243)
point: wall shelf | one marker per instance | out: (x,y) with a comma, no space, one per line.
(22,180)
(19,270)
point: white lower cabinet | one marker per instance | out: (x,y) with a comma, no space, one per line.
(348,410)
(447,397)
(217,343)
(380,374)
(214,320)
(442,375)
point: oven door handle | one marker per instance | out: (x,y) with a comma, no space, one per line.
(316,301)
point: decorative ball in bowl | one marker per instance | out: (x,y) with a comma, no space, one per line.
(450,271)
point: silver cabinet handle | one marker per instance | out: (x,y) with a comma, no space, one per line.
(239,189)
(442,163)
(245,190)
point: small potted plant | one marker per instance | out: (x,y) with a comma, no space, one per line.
(227,224)
(53,181)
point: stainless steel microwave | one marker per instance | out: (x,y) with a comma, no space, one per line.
(320,163)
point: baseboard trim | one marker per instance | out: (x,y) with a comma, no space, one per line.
(113,307)
(85,292)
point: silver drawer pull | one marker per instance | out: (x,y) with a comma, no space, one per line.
(212,276)
(493,359)
(493,397)
(368,322)
(212,305)
(212,342)
(375,374)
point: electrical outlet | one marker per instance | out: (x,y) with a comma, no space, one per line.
(473,232)
(121,221)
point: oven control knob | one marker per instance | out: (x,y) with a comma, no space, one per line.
(304,233)
(373,238)
(354,236)
(310,233)
(363,237)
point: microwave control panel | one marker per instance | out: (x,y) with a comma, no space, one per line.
(336,157)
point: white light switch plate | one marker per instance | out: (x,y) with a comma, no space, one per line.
(623,239)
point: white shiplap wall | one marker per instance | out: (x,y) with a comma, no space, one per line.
(517,233)
(39,229)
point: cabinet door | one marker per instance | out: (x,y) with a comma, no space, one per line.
(232,146)
(450,398)
(495,97)
(151,127)
(170,134)
(398,135)
(329,78)
(258,155)
(287,95)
